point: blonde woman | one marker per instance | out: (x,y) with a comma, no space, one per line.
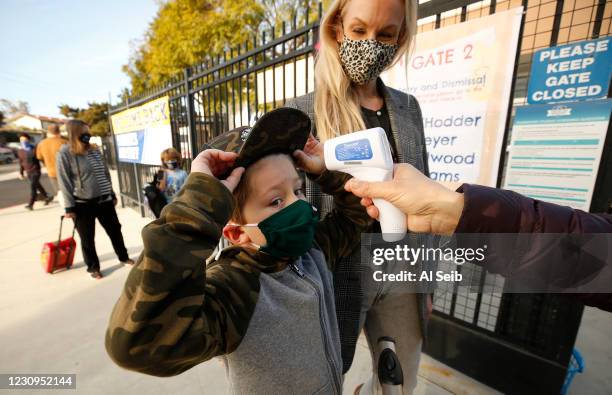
(88,194)
(358,40)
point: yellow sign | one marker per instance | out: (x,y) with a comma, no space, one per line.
(153,114)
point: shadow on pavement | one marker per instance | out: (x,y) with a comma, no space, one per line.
(107,271)
(132,251)
(37,207)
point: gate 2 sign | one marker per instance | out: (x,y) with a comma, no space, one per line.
(573,72)
(143,132)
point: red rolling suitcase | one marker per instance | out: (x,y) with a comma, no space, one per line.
(58,254)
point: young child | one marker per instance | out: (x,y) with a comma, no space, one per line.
(265,304)
(171,177)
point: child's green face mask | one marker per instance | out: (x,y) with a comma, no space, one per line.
(289,232)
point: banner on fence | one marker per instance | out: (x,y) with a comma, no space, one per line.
(556,151)
(462,78)
(143,132)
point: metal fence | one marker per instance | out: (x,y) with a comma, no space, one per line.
(226,92)
(476,333)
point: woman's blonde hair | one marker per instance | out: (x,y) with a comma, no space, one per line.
(75,128)
(170,153)
(336,105)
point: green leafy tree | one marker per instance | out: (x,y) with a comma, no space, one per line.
(185,32)
(1,118)
(95,115)
(68,112)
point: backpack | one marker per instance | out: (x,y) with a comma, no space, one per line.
(155,198)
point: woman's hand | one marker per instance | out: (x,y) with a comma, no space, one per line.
(215,162)
(311,159)
(429,206)
(69,215)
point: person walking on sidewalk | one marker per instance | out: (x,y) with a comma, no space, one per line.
(88,194)
(46,151)
(31,166)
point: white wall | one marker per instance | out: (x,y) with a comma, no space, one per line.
(29,122)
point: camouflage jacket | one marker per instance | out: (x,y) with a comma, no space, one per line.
(175,312)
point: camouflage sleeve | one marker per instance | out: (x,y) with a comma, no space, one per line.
(339,233)
(175,312)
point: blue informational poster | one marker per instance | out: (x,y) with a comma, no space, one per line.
(573,72)
(556,150)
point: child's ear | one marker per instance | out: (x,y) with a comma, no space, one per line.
(235,234)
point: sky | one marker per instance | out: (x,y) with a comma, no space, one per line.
(68,51)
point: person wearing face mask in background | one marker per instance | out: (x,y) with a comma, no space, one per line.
(29,164)
(358,40)
(171,177)
(88,194)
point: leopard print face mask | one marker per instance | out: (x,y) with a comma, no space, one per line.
(364,60)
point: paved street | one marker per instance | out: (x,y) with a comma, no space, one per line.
(16,191)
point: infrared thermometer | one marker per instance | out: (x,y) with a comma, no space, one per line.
(366,155)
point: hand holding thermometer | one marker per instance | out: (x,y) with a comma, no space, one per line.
(366,155)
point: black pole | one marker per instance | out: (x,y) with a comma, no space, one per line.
(190,114)
(110,127)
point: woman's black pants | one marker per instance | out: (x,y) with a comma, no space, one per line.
(85,222)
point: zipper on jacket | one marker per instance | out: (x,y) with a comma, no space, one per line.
(297,270)
(330,361)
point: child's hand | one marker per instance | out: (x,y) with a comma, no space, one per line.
(214,162)
(312,158)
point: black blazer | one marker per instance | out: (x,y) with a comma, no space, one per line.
(407,128)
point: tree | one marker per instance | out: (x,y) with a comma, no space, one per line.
(185,32)
(95,115)
(1,118)
(279,11)
(11,108)
(69,112)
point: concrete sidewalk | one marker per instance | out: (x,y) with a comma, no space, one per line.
(56,323)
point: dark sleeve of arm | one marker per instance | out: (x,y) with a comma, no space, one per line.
(161,180)
(21,169)
(175,313)
(339,233)
(542,259)
(491,210)
(421,132)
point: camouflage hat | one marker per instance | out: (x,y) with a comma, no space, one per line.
(282,130)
